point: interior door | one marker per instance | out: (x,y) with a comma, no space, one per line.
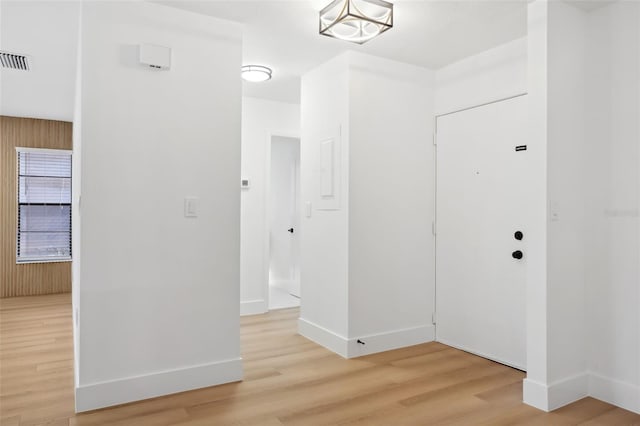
(295,220)
(482,207)
(284,212)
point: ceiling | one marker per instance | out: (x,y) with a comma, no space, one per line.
(280,34)
(284,35)
(48,32)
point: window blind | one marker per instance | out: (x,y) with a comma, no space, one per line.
(44,206)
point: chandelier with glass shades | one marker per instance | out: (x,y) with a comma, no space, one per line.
(357,21)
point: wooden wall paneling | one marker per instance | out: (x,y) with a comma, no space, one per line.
(31,278)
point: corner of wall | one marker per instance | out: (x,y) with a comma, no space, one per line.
(535,394)
(556,395)
(324,337)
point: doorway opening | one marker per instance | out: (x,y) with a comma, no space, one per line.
(283,222)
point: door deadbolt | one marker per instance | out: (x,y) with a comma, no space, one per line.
(518,235)
(517,254)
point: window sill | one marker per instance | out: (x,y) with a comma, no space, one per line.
(56,260)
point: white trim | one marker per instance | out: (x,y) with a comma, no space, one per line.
(473,106)
(253,307)
(566,391)
(535,394)
(389,340)
(43,260)
(45,150)
(374,343)
(557,394)
(129,389)
(621,394)
(327,338)
(563,392)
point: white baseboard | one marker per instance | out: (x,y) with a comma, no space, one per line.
(568,390)
(373,343)
(615,392)
(561,393)
(106,394)
(330,340)
(389,340)
(557,394)
(535,394)
(253,307)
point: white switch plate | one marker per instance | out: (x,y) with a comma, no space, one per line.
(191,207)
(307,209)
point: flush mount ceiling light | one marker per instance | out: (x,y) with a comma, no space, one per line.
(357,21)
(256,73)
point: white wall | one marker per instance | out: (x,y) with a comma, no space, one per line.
(534,387)
(48,32)
(260,119)
(566,325)
(556,329)
(611,229)
(324,247)
(367,257)
(391,204)
(584,328)
(159,293)
(498,73)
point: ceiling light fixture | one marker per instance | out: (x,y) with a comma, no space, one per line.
(256,73)
(357,21)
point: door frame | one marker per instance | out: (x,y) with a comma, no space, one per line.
(266,256)
(435,213)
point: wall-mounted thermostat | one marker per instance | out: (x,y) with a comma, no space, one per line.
(153,56)
(245,183)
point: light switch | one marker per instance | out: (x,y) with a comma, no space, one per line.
(307,209)
(191,207)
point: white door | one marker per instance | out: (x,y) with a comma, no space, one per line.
(482,202)
(284,214)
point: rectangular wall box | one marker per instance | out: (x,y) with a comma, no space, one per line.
(326,167)
(153,56)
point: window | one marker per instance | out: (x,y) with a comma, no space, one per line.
(44,205)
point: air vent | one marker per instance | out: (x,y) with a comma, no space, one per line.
(15,61)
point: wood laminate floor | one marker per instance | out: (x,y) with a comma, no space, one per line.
(288,381)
